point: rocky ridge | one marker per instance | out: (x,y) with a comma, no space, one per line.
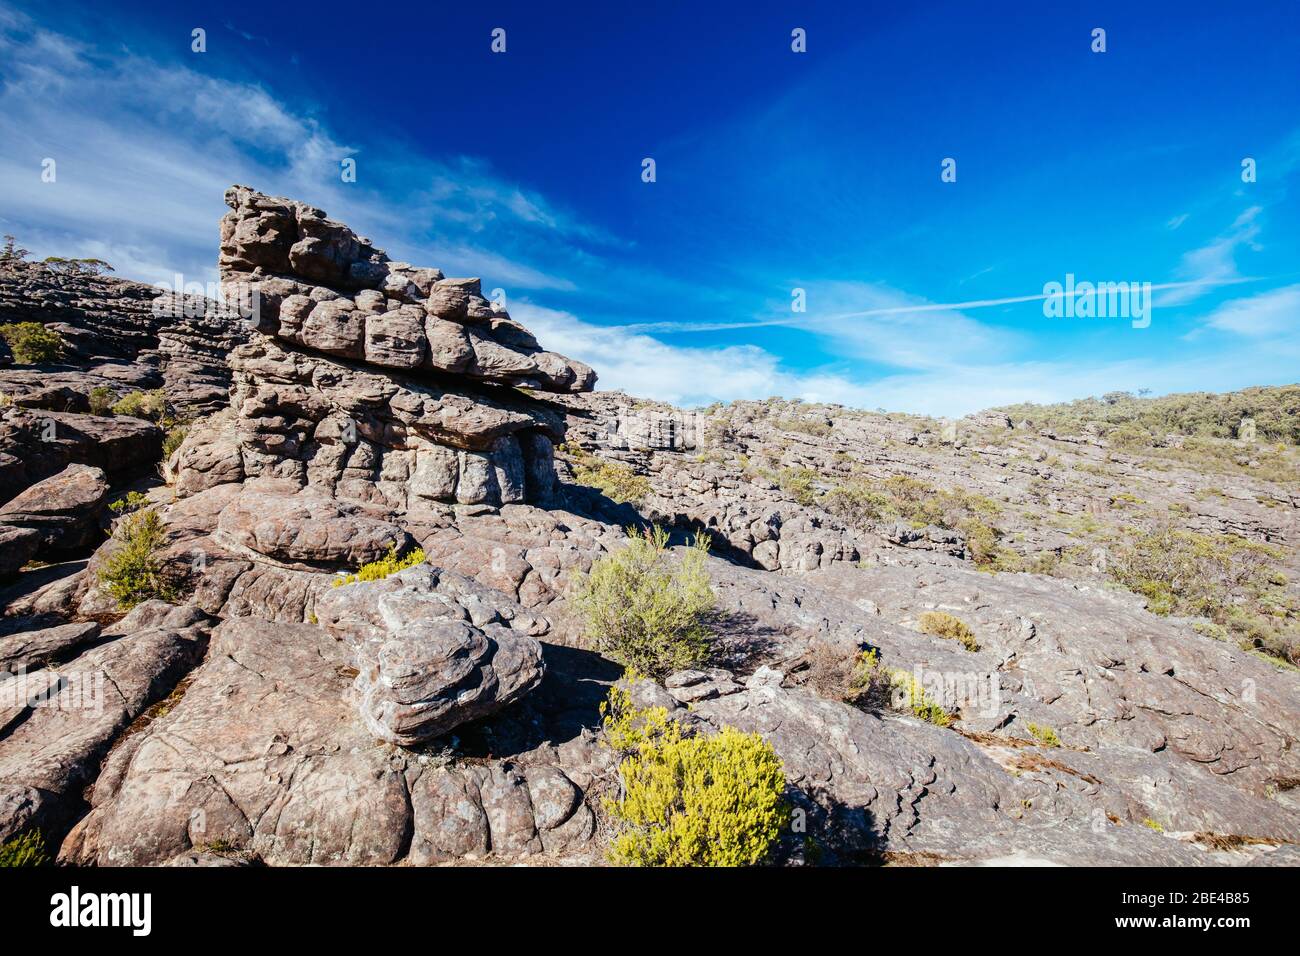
(450,712)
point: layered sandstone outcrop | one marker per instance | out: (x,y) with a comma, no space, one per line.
(374,379)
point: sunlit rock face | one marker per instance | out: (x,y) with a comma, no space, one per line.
(373,379)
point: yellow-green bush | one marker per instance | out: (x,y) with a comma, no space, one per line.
(692,800)
(911,696)
(615,480)
(1044,735)
(133,572)
(133,501)
(151,405)
(874,685)
(943,624)
(25,850)
(101,400)
(32,343)
(644,610)
(172,440)
(390,563)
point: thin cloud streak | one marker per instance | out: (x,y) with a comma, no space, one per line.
(809,324)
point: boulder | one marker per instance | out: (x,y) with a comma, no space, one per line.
(433,651)
(64,509)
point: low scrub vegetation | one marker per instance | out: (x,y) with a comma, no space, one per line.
(1276,412)
(816,427)
(866,502)
(866,682)
(32,343)
(698,800)
(645,610)
(25,850)
(615,480)
(1226,579)
(943,624)
(101,400)
(172,440)
(389,564)
(132,501)
(150,405)
(1046,736)
(77,267)
(133,572)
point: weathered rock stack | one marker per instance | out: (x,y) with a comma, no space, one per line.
(375,380)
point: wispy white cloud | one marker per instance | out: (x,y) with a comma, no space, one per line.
(940,325)
(691,376)
(145,149)
(1272,313)
(1214,263)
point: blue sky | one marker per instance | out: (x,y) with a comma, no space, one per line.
(775,171)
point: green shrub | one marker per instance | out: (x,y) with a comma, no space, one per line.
(1223,578)
(32,343)
(910,695)
(1153,825)
(133,501)
(615,480)
(391,563)
(644,610)
(175,435)
(26,850)
(1044,735)
(943,624)
(133,572)
(876,686)
(151,405)
(798,483)
(691,800)
(101,400)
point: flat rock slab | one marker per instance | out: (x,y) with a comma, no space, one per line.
(28,649)
(59,723)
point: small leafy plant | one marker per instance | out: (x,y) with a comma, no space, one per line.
(32,343)
(645,611)
(943,624)
(25,850)
(1044,735)
(133,572)
(150,405)
(101,400)
(133,501)
(615,480)
(389,564)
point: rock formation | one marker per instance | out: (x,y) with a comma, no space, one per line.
(376,380)
(434,650)
(450,712)
(119,335)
